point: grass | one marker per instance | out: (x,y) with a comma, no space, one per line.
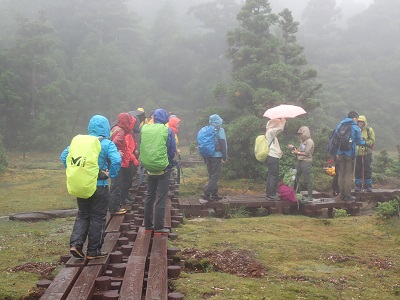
(353,258)
(307,258)
(34,184)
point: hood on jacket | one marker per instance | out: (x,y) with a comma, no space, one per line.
(126,122)
(161,116)
(173,124)
(348,121)
(215,120)
(99,126)
(304,133)
(273,124)
(363,119)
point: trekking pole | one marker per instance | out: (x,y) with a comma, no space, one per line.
(362,169)
(180,168)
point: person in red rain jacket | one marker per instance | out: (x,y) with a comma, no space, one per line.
(132,167)
(119,135)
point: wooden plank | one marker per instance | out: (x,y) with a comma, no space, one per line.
(132,285)
(157,281)
(184,203)
(109,245)
(83,288)
(61,285)
(115,223)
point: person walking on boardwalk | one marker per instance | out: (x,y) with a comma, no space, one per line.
(304,158)
(121,135)
(157,151)
(218,156)
(92,210)
(273,128)
(363,171)
(348,136)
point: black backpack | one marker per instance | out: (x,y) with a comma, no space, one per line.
(344,137)
(340,139)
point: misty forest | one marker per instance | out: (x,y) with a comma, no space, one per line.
(62,61)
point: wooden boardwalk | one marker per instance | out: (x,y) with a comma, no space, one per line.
(137,266)
(322,203)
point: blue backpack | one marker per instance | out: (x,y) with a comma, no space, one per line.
(207,138)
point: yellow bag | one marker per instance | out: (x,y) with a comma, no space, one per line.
(261,148)
(82,166)
(330,171)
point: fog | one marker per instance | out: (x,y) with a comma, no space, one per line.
(65,60)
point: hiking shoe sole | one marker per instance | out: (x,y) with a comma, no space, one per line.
(163,231)
(122,211)
(76,252)
(100,255)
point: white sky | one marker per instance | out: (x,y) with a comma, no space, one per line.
(358,1)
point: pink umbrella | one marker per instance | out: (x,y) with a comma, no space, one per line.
(284,111)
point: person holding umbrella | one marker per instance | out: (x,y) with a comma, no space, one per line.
(278,115)
(273,128)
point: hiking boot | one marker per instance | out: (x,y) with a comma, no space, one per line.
(216,197)
(149,228)
(206,197)
(76,252)
(121,211)
(335,194)
(369,189)
(96,256)
(163,231)
(272,198)
(358,189)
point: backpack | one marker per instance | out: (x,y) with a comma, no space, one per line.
(207,141)
(153,147)
(340,139)
(333,143)
(261,148)
(344,137)
(82,165)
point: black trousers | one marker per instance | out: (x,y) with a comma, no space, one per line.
(214,169)
(91,221)
(273,175)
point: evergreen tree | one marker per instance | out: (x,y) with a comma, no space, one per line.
(268,69)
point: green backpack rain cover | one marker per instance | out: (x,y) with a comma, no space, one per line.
(82,166)
(153,147)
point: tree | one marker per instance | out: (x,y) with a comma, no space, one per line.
(268,68)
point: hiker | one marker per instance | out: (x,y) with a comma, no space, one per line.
(132,141)
(273,128)
(304,158)
(121,135)
(157,151)
(363,171)
(213,162)
(91,219)
(346,153)
(173,123)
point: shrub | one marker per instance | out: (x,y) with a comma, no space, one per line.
(385,210)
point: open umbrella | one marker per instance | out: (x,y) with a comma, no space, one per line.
(284,111)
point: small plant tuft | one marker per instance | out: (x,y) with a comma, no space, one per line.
(341,213)
(237,212)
